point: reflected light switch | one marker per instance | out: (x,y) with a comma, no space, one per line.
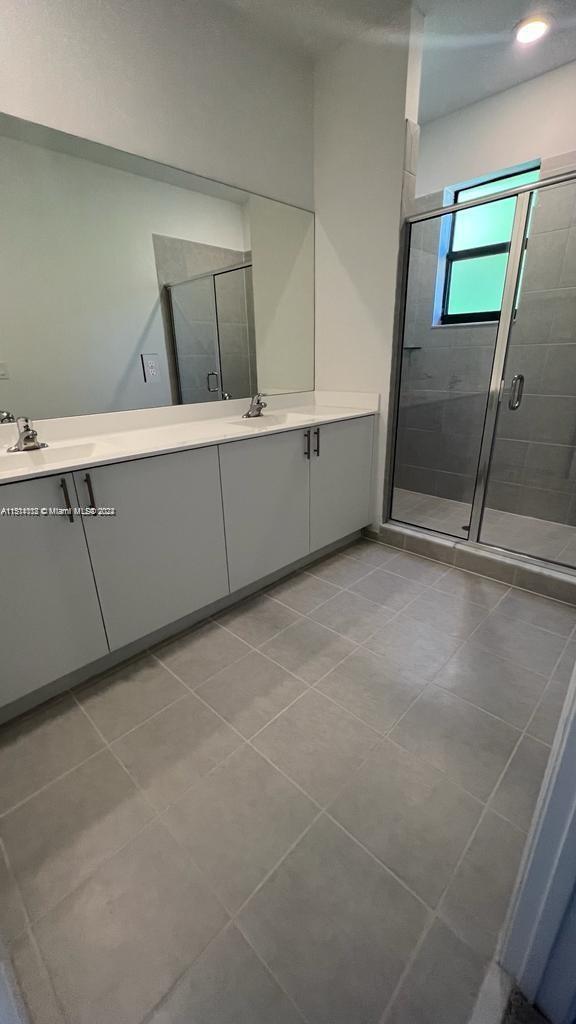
(150,367)
(4,375)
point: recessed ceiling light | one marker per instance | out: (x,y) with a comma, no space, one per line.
(531,29)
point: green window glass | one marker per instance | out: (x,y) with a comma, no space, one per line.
(478,253)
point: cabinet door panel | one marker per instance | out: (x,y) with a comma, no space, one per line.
(341,480)
(50,620)
(162,556)
(266,492)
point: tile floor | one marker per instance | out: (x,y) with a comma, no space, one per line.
(540,538)
(311,809)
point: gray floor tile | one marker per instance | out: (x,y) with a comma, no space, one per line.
(258,619)
(414,567)
(518,791)
(495,684)
(308,649)
(334,927)
(352,615)
(238,822)
(317,744)
(410,816)
(565,667)
(547,716)
(527,645)
(471,746)
(443,983)
(387,589)
(128,696)
(371,552)
(34,984)
(174,749)
(364,686)
(340,569)
(251,692)
(118,943)
(470,587)
(411,649)
(304,592)
(12,915)
(228,984)
(198,655)
(60,836)
(38,747)
(454,616)
(539,611)
(477,899)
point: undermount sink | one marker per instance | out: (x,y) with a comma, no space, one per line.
(281,419)
(55,453)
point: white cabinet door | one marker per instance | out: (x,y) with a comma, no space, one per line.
(266,492)
(50,620)
(340,479)
(162,556)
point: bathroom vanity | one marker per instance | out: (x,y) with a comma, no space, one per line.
(177,517)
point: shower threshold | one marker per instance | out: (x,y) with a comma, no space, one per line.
(515,568)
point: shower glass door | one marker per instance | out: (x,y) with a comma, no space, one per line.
(447,364)
(195,332)
(530,498)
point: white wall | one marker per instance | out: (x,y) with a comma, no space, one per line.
(535,119)
(181,81)
(359,136)
(78,284)
(283,277)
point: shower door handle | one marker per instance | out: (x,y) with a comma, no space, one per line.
(216,376)
(516,392)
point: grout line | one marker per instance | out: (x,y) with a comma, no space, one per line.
(29,933)
(407,969)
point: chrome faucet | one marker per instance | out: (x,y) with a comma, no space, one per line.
(7,417)
(256,406)
(27,437)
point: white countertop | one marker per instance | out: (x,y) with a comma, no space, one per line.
(67,452)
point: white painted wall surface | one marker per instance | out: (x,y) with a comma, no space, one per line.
(359,137)
(186,83)
(535,119)
(78,285)
(282,242)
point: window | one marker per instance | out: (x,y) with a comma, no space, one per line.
(478,252)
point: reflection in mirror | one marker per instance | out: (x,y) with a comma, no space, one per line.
(126,284)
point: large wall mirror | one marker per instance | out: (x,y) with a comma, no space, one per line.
(126,284)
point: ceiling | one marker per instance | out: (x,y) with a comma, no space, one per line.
(469,47)
(470,51)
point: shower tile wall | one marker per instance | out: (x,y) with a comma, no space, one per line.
(534,463)
(445,379)
(235,313)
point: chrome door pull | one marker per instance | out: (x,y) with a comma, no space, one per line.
(212,373)
(516,392)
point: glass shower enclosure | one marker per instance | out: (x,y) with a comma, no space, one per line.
(485,438)
(212,320)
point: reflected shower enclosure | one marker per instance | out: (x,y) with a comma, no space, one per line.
(212,319)
(485,441)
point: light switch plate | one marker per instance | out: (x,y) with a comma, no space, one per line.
(151,367)
(4,375)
